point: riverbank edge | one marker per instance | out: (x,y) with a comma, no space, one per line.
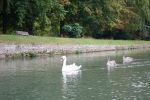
(30,50)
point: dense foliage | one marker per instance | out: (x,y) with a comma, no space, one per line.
(74,30)
(115,19)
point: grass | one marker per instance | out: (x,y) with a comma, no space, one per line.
(16,39)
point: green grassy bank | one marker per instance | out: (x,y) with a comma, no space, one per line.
(16,39)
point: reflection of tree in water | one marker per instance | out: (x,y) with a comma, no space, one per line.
(70,83)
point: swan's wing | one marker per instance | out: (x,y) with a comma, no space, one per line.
(111,63)
(74,64)
(74,67)
(79,66)
(129,58)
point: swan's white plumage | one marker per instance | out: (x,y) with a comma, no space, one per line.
(127,59)
(111,63)
(72,67)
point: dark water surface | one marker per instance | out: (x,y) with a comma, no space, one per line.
(41,78)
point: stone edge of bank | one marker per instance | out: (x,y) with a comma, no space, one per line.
(29,50)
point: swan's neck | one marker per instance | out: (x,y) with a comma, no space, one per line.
(64,62)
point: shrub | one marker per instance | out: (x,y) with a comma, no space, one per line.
(73,30)
(77,30)
(67,28)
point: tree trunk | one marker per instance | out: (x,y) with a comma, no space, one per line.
(61,30)
(4,18)
(30,28)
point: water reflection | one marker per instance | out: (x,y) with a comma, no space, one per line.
(70,83)
(41,78)
(109,69)
(129,81)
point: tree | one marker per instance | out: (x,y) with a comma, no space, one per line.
(119,19)
(57,16)
(4,15)
(28,12)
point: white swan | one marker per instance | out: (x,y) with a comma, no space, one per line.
(111,63)
(72,67)
(127,59)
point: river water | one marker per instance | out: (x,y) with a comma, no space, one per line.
(41,78)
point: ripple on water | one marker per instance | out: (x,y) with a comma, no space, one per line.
(139,85)
(90,88)
(99,81)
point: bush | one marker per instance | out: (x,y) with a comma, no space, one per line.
(67,28)
(77,30)
(73,30)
